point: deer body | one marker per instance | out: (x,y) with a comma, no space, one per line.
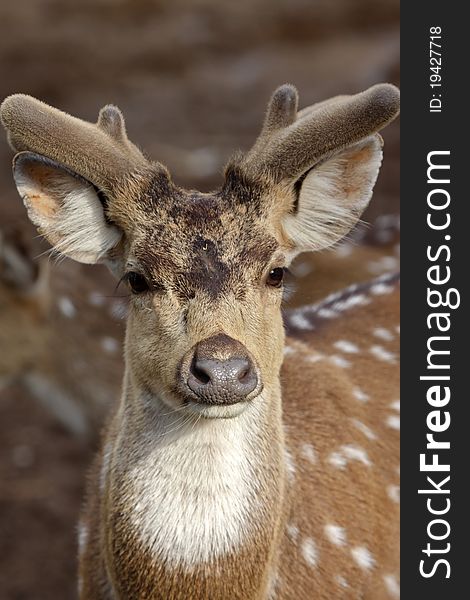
(324,466)
(226,472)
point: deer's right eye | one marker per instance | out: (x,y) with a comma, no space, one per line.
(137,283)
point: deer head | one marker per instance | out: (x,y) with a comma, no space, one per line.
(204,270)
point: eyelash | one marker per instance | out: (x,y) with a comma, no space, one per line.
(137,282)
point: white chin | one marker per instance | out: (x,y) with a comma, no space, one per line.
(217,412)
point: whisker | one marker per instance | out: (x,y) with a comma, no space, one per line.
(196,422)
(184,421)
(173,410)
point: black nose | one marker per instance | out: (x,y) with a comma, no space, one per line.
(221,371)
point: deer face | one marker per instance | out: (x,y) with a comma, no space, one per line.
(204,270)
(205,275)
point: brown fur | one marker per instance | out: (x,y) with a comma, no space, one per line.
(206,259)
(321,409)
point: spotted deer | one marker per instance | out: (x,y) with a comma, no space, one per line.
(238,464)
(23,309)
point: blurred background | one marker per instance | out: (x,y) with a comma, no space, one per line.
(193,78)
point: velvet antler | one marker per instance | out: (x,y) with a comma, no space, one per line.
(101,152)
(290,143)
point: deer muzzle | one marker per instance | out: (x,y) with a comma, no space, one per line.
(219,371)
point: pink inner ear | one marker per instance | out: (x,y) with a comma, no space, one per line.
(35,181)
(36,195)
(333,196)
(356,169)
(41,204)
(65,208)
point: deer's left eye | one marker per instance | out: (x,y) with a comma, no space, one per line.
(275,277)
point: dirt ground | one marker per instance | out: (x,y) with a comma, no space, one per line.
(41,473)
(193,78)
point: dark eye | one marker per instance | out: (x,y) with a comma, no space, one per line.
(275,277)
(137,283)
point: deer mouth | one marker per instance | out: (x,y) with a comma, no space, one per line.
(207,411)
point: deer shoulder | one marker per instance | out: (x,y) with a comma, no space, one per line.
(341,414)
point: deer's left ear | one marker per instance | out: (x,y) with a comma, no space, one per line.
(65,208)
(330,198)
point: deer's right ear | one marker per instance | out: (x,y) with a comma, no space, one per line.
(65,208)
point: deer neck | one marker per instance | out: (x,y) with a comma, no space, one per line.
(190,495)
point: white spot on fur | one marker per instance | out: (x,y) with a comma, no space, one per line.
(356,453)
(367,431)
(293,532)
(394,422)
(363,557)
(96,299)
(395,405)
(393,492)
(273,585)
(397,329)
(335,534)
(381,354)
(301,269)
(392,586)
(299,321)
(309,552)
(308,452)
(345,346)
(352,302)
(339,361)
(347,454)
(313,358)
(327,313)
(344,250)
(333,297)
(67,307)
(290,465)
(385,263)
(388,220)
(337,460)
(383,334)
(110,345)
(381,288)
(341,581)
(360,395)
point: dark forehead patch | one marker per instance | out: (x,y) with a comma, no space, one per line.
(206,252)
(208,271)
(258,250)
(203,243)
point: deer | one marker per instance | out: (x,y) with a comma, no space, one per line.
(252,455)
(23,297)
